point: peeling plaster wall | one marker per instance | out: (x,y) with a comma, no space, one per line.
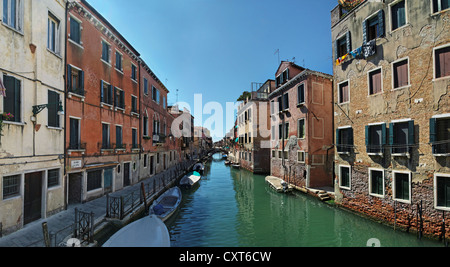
(422,99)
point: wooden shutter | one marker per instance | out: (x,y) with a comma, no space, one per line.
(101,92)
(53,101)
(336,50)
(367,128)
(391,135)
(410,133)
(401,74)
(433,133)
(69,78)
(8,101)
(349,42)
(364,24)
(81,83)
(380,30)
(383,134)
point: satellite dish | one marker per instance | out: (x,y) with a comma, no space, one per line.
(73,242)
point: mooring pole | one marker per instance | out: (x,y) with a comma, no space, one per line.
(46,235)
(145,197)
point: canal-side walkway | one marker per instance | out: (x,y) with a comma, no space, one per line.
(61,224)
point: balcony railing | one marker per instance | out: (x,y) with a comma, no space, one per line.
(159,138)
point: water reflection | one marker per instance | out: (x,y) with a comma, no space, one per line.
(236,208)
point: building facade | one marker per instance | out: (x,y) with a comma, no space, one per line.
(32,75)
(103,112)
(301,126)
(392,110)
(253,116)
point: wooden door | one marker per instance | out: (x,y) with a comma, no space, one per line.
(32,197)
(126,174)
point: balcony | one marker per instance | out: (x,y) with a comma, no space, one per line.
(159,138)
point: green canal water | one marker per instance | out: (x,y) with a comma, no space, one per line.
(235,208)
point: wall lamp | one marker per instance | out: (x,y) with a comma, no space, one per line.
(37,109)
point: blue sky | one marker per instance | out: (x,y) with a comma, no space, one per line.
(217,48)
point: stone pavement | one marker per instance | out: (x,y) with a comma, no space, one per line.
(31,235)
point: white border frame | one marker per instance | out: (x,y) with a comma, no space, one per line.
(434,63)
(394,197)
(390,15)
(368,81)
(338,94)
(409,74)
(350,177)
(370,182)
(447,175)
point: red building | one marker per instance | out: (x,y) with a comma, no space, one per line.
(302,135)
(102,106)
(160,149)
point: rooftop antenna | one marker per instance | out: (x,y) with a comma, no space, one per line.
(303,63)
(177,96)
(293,60)
(278,52)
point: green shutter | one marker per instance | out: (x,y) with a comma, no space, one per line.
(69,78)
(383,134)
(364,24)
(17,101)
(81,82)
(101,92)
(367,138)
(349,42)
(433,133)
(411,132)
(380,23)
(391,135)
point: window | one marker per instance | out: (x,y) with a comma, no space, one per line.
(401,136)
(134,138)
(442,62)
(94,180)
(75,80)
(402,186)
(376,182)
(442,184)
(145,86)
(134,104)
(119,98)
(164,102)
(53,178)
(373,27)
(301,129)
(106,93)
(145,126)
(105,136)
(283,131)
(344,140)
(274,154)
(344,176)
(375,82)
(11,186)
(440,5)
(440,135)
(301,94)
(375,138)
(119,61)
(280,103)
(155,94)
(53,34)
(74,142)
(343,45)
(119,144)
(301,156)
(400,73)
(286,101)
(13,14)
(13,102)
(344,92)
(75,30)
(53,106)
(282,78)
(398,15)
(133,72)
(286,155)
(105,52)
(272,107)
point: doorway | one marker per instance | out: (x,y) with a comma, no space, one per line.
(32,197)
(126,174)
(75,188)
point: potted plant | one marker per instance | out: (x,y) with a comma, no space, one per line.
(4,117)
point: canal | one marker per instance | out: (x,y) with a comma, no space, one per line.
(235,208)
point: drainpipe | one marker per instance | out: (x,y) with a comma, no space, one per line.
(66,182)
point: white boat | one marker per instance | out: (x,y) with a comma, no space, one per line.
(236,166)
(190,179)
(149,231)
(167,203)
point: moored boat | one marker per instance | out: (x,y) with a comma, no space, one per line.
(190,179)
(167,203)
(149,231)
